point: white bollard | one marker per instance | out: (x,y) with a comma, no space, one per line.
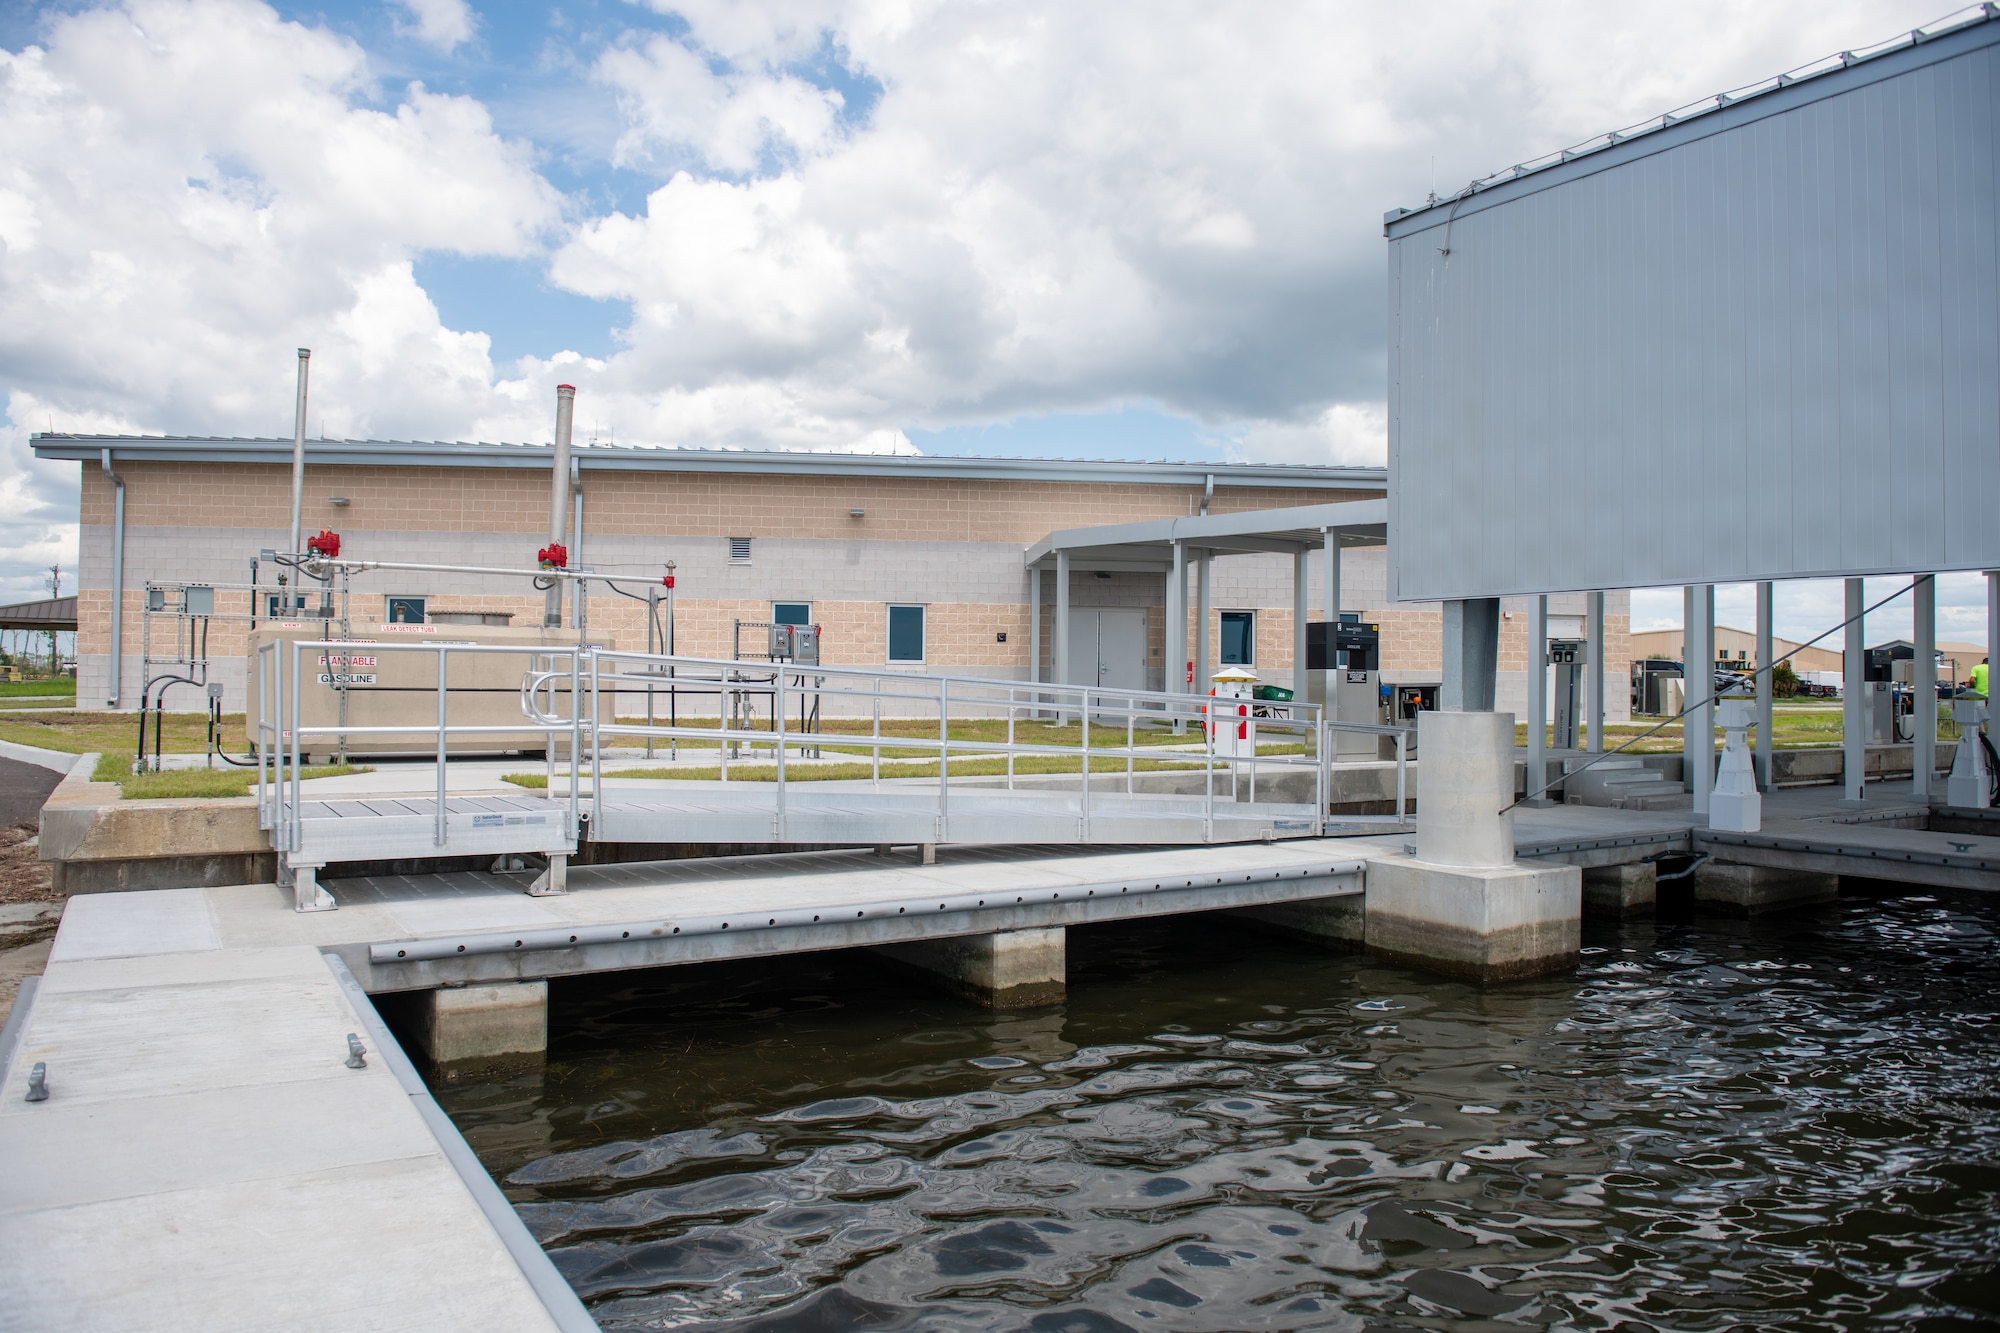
(1735,804)
(1971,782)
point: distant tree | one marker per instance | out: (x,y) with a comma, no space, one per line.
(1784,681)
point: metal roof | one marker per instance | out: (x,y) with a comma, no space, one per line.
(1698,119)
(58,613)
(1141,547)
(773,462)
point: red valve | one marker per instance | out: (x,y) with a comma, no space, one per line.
(553,556)
(326,544)
(668,581)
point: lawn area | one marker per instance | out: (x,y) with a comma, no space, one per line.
(24,689)
(79,731)
(1794,726)
(195,782)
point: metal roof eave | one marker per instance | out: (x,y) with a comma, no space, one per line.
(394,453)
(1357,523)
(1401,223)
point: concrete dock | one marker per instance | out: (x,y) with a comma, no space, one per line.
(207,1159)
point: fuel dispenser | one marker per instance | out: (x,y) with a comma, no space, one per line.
(1568,657)
(1232,724)
(1883,702)
(1344,669)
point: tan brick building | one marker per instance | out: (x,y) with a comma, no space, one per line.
(854,543)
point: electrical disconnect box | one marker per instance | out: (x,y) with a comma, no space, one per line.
(797,644)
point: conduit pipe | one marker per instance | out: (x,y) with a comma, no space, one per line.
(558,499)
(117,579)
(299,455)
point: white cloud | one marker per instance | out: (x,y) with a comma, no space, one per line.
(189,189)
(443,24)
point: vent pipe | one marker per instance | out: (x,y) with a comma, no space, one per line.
(299,454)
(117,580)
(559,484)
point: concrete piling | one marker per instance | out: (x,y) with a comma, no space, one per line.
(459,1023)
(1005,969)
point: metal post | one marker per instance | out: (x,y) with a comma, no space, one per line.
(1538,706)
(576,738)
(558,500)
(438,837)
(1593,670)
(1178,660)
(1702,720)
(1402,773)
(1059,668)
(1204,666)
(1299,600)
(944,757)
(1853,698)
(1923,688)
(1992,629)
(1085,727)
(1034,629)
(1766,652)
(118,580)
(299,455)
(778,728)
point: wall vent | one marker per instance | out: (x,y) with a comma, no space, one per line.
(739,550)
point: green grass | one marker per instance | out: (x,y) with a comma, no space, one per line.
(33,701)
(1795,725)
(80,731)
(175,783)
(26,689)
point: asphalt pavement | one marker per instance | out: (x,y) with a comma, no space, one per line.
(23,788)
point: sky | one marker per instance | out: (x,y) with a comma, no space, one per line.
(1135,230)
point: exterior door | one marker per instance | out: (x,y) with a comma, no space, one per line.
(1108,648)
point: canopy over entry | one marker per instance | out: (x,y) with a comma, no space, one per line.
(1149,547)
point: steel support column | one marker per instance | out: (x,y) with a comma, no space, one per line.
(1923,687)
(1538,697)
(1853,698)
(1765,652)
(1593,671)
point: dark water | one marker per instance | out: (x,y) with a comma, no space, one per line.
(1713,1125)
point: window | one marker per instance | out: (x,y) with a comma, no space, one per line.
(275,608)
(1239,638)
(791,613)
(406,610)
(739,550)
(906,634)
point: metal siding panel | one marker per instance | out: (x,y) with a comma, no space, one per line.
(1970,407)
(1768,352)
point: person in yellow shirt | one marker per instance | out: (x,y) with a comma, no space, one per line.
(1979,678)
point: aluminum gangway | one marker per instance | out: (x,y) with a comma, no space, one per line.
(1147,767)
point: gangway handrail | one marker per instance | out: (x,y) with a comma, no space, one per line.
(583,668)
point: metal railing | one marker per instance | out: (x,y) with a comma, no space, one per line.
(280,731)
(569,692)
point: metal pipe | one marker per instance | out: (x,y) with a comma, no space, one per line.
(299,455)
(1593,670)
(117,578)
(1761,761)
(558,481)
(579,617)
(1854,717)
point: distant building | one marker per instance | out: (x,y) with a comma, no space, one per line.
(1737,647)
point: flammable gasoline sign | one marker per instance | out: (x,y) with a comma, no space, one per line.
(329,678)
(336,660)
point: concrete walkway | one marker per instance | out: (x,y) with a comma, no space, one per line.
(206,1159)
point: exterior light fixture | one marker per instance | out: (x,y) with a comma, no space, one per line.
(338,501)
(856,513)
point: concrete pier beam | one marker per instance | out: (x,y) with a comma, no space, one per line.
(459,1023)
(1754,890)
(1462,906)
(1004,969)
(1335,923)
(1617,892)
